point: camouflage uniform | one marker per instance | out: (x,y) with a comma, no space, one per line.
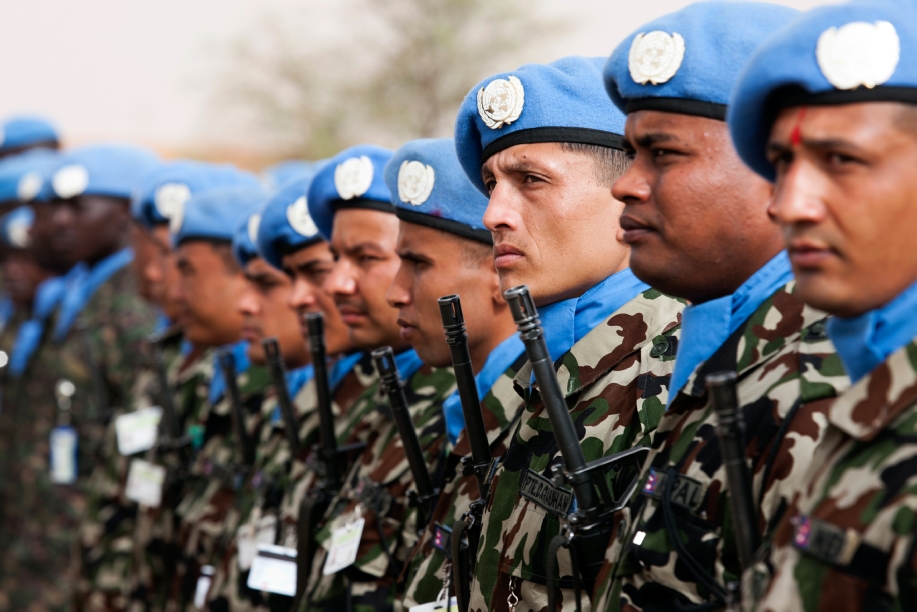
(788,374)
(215,476)
(107,529)
(616,379)
(427,568)
(381,473)
(113,326)
(155,545)
(8,478)
(847,540)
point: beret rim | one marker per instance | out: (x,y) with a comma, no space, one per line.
(216,240)
(283,249)
(576,135)
(445,225)
(789,96)
(682,106)
(363,203)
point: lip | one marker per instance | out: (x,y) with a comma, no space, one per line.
(250,334)
(351,315)
(808,253)
(407,330)
(505,255)
(634,230)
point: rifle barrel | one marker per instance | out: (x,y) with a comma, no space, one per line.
(170,414)
(730,431)
(228,365)
(450,308)
(316,324)
(276,370)
(532,334)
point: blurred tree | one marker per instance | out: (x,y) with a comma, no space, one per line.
(394,70)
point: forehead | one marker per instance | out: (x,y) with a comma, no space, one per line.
(420,239)
(260,267)
(353,227)
(862,121)
(660,122)
(311,253)
(545,155)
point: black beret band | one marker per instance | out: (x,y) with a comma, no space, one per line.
(363,203)
(287,248)
(554,134)
(797,96)
(445,225)
(682,106)
(202,238)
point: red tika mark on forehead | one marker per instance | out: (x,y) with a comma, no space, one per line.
(796,136)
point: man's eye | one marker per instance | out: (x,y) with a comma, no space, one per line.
(839,159)
(490,186)
(531,178)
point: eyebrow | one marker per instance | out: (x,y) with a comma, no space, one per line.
(257,277)
(649,139)
(305,266)
(816,143)
(409,254)
(364,246)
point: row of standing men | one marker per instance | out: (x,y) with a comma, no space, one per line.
(723,201)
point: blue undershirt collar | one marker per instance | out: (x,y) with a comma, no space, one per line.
(864,342)
(83,286)
(705,327)
(566,323)
(342,367)
(499,360)
(218,382)
(47,296)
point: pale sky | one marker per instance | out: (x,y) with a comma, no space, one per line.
(141,70)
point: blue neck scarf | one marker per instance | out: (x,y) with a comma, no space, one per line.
(565,323)
(499,360)
(47,296)
(864,342)
(408,363)
(218,382)
(6,310)
(342,367)
(296,380)
(83,286)
(705,327)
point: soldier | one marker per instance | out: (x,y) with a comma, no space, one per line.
(696,219)
(100,325)
(825,110)
(24,133)
(264,305)
(544,142)
(445,249)
(188,373)
(210,278)
(350,203)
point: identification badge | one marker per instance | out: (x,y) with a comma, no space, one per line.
(260,531)
(345,541)
(144,483)
(203,586)
(435,606)
(274,570)
(137,431)
(63,455)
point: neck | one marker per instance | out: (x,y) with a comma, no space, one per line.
(729,280)
(480,348)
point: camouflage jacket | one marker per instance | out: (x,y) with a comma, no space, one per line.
(108,525)
(216,475)
(156,551)
(616,380)
(273,495)
(847,540)
(429,564)
(788,373)
(376,489)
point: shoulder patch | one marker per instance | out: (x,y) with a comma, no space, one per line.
(541,491)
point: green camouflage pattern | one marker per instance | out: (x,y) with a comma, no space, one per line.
(371,581)
(428,567)
(788,374)
(204,512)
(41,564)
(156,549)
(616,380)
(861,487)
(107,529)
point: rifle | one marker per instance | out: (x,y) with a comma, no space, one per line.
(423,499)
(730,432)
(228,365)
(276,370)
(588,529)
(171,427)
(479,463)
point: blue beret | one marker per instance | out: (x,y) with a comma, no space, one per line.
(173,183)
(17,132)
(15,227)
(688,61)
(836,54)
(351,179)
(430,188)
(215,214)
(282,173)
(244,240)
(286,226)
(23,177)
(558,102)
(113,170)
